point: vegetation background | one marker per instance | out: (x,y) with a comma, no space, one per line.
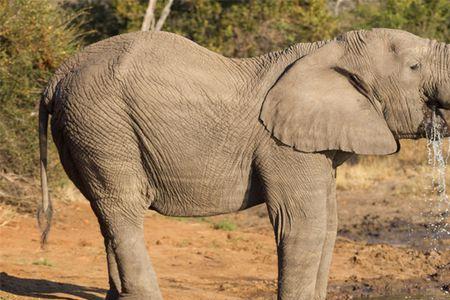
(37,35)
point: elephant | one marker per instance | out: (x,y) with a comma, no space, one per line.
(152,120)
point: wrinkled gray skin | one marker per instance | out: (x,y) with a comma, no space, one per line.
(154,121)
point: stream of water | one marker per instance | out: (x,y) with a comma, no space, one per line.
(437,213)
(437,200)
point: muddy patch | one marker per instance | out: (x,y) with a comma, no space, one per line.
(396,231)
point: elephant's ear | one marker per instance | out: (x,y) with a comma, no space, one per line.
(316,106)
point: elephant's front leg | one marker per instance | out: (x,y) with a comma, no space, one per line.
(299,245)
(327,252)
(297,208)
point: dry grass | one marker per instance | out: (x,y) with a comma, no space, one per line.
(68,193)
(19,191)
(409,168)
(23,193)
(7,214)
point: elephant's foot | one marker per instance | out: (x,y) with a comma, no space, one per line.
(320,297)
(140,296)
(112,295)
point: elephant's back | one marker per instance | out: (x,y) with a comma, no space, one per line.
(146,59)
(177,63)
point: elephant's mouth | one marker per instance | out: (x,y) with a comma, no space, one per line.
(434,125)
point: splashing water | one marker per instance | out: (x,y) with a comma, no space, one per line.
(438,201)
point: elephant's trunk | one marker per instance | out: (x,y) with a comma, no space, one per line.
(443,83)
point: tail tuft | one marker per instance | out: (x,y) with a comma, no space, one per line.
(44,218)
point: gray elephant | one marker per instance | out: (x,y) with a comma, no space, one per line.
(154,121)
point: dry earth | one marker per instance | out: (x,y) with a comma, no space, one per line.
(381,250)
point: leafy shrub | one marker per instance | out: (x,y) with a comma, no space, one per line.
(105,18)
(35,38)
(233,28)
(247,28)
(426,18)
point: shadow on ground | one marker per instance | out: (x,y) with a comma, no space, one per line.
(41,288)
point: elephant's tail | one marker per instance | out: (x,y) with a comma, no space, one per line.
(45,211)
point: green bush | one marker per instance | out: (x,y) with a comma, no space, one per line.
(244,28)
(225,225)
(233,28)
(106,18)
(247,28)
(426,18)
(35,37)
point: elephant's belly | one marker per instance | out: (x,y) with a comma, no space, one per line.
(205,196)
(205,171)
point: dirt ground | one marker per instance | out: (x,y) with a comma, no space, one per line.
(382,249)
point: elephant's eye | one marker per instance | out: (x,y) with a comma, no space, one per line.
(415,66)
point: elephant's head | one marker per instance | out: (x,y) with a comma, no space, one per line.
(360,93)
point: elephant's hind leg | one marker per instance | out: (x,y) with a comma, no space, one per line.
(128,259)
(119,198)
(113,271)
(106,156)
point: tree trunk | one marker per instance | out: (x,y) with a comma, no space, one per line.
(149,16)
(163,16)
